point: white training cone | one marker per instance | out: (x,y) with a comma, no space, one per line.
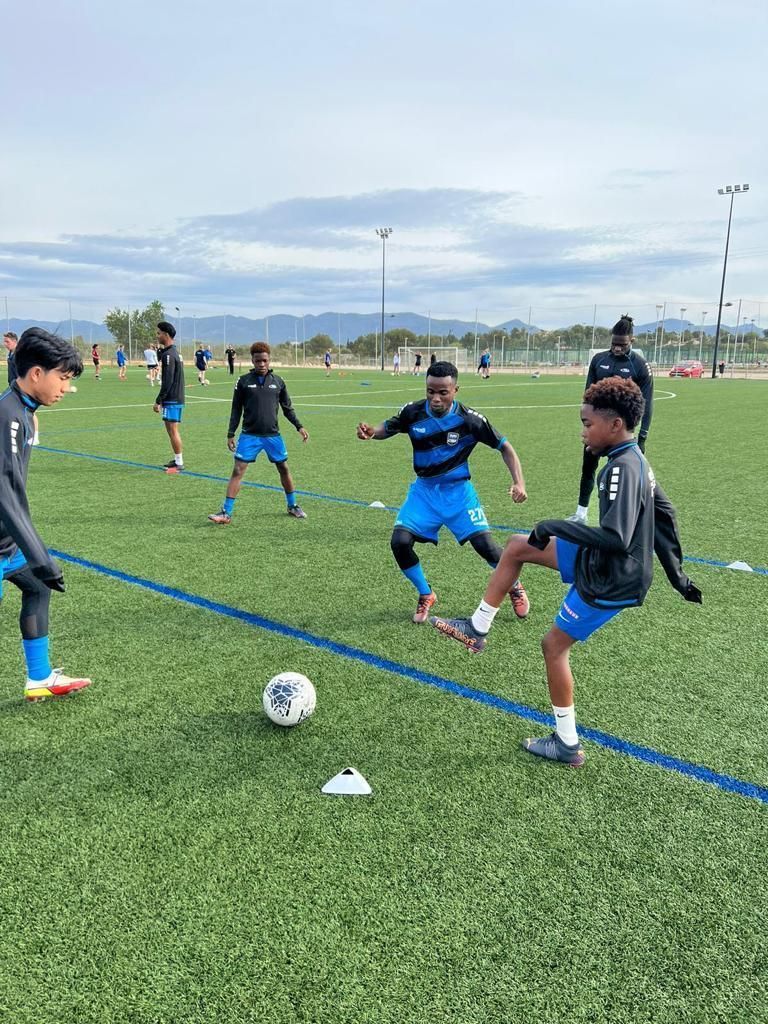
(741,565)
(377,504)
(347,783)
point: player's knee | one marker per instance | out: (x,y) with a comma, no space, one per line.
(486,547)
(402,542)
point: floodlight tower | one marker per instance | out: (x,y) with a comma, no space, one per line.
(680,335)
(729,190)
(383,234)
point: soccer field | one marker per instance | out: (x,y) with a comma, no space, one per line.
(167,854)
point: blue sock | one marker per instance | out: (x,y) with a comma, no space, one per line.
(416,575)
(291,499)
(229,504)
(36,657)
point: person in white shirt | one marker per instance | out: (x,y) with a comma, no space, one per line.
(153,368)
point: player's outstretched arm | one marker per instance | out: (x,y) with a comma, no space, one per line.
(365,432)
(511,459)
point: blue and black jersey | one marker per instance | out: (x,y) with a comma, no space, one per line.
(442,444)
(629,367)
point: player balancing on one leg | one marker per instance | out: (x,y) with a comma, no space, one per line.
(609,567)
(170,397)
(46,364)
(443,433)
(258,395)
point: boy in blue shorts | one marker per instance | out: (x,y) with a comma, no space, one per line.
(170,397)
(45,364)
(120,357)
(608,567)
(443,433)
(257,397)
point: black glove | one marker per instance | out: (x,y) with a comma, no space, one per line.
(692,593)
(641,439)
(537,542)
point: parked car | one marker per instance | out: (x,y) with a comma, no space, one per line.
(688,368)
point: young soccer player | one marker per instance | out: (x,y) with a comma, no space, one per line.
(170,397)
(150,358)
(443,433)
(618,361)
(45,366)
(120,357)
(202,365)
(96,357)
(327,362)
(230,354)
(608,567)
(396,365)
(258,395)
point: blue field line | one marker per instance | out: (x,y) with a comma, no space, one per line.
(714,563)
(727,783)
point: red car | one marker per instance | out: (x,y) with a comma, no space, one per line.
(689,368)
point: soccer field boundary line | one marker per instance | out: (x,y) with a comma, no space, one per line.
(699,773)
(359,502)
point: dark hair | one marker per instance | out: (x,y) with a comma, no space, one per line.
(623,328)
(260,346)
(11,334)
(167,328)
(50,351)
(618,397)
(443,369)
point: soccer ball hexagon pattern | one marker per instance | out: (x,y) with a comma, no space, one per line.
(289,698)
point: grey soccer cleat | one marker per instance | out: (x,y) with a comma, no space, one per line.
(461,630)
(297,512)
(553,748)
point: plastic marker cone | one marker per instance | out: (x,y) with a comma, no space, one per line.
(377,504)
(347,783)
(741,565)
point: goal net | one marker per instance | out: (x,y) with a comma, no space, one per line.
(442,353)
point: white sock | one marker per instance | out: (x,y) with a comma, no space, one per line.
(178,459)
(36,438)
(565,723)
(483,618)
(582,510)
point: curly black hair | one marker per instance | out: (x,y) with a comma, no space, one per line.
(442,368)
(618,397)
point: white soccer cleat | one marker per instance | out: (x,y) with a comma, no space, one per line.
(56,685)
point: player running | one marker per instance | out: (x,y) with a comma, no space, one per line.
(608,567)
(443,433)
(45,365)
(258,394)
(617,361)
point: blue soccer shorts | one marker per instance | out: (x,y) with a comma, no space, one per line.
(8,566)
(429,506)
(249,447)
(575,617)
(172,412)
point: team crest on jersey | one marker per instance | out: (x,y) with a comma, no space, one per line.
(452,437)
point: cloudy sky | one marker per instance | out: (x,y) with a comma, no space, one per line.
(239,156)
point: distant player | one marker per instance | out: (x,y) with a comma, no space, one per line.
(617,361)
(396,365)
(11,340)
(484,369)
(608,567)
(121,362)
(150,358)
(257,398)
(170,397)
(230,354)
(202,365)
(443,433)
(327,362)
(45,365)
(417,364)
(96,357)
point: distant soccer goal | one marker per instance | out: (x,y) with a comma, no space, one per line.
(442,353)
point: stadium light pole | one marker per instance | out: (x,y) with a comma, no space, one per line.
(383,234)
(680,335)
(178,310)
(729,190)
(659,308)
(701,334)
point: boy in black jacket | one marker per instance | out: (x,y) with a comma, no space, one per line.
(609,567)
(258,397)
(170,398)
(45,366)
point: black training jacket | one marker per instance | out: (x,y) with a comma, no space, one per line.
(614,567)
(16,529)
(172,370)
(258,404)
(629,367)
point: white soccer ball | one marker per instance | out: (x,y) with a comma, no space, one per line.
(289,698)
(72,387)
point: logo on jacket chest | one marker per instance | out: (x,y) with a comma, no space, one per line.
(452,437)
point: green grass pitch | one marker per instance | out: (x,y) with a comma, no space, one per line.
(166,853)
